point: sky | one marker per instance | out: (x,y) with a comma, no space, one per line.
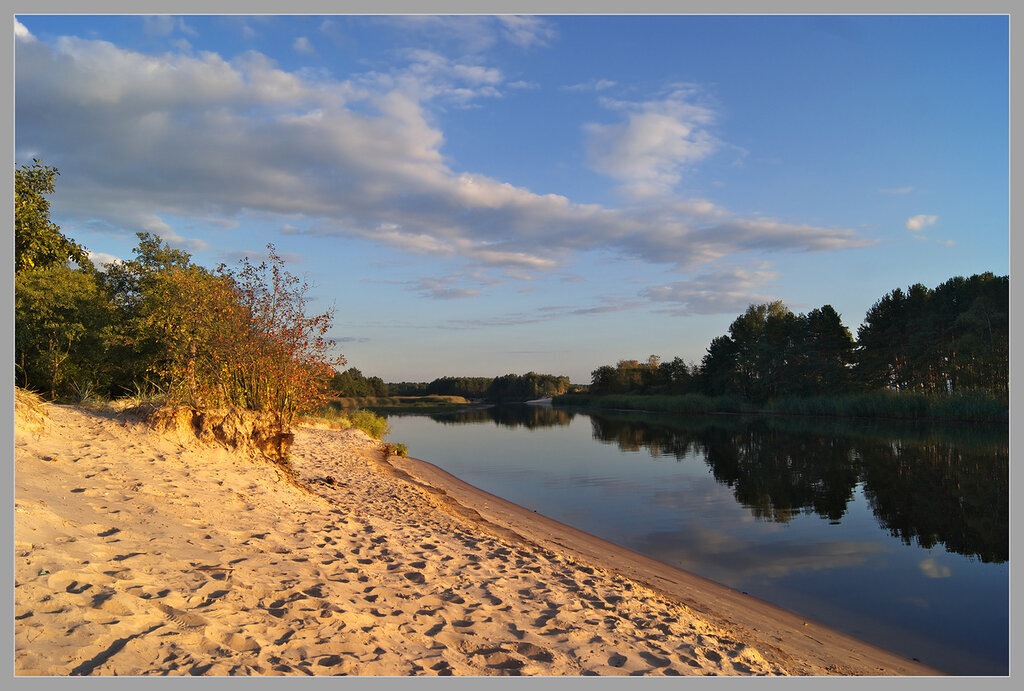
(477,195)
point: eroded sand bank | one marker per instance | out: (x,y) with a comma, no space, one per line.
(140,554)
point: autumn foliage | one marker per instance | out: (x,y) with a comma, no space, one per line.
(242,338)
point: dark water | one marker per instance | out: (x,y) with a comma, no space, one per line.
(897,534)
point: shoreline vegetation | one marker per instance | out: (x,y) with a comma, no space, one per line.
(965,407)
(151,548)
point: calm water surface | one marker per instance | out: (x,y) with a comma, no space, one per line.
(896,534)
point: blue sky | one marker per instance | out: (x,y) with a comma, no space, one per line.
(479,195)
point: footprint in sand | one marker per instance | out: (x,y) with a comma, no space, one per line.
(185,620)
(617,660)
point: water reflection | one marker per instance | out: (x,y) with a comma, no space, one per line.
(511,416)
(925,484)
(928,485)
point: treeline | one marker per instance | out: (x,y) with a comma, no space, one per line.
(352,383)
(158,323)
(951,339)
(506,388)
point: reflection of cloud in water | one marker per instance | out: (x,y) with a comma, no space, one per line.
(729,559)
(932,569)
(918,602)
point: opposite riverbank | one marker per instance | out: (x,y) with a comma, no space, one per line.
(141,553)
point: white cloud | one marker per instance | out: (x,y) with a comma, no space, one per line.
(898,190)
(165,25)
(592,85)
(21,32)
(526,31)
(726,291)
(475,33)
(303,45)
(140,137)
(656,142)
(920,222)
(429,75)
(932,569)
(102,258)
(441,289)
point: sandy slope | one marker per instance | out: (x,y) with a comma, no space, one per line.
(140,554)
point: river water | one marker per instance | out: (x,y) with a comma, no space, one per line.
(895,533)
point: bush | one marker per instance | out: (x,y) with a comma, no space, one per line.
(374,425)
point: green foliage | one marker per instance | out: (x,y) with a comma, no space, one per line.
(371,423)
(60,322)
(137,348)
(937,343)
(526,387)
(943,340)
(400,403)
(240,339)
(38,242)
(650,376)
(685,403)
(467,387)
(396,449)
(352,383)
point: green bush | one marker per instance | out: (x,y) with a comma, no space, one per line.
(371,423)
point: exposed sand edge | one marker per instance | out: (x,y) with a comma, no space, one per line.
(780,635)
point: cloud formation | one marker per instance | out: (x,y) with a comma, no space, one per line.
(727,290)
(657,141)
(920,222)
(141,139)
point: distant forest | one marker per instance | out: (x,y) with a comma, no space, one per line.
(949,339)
(510,387)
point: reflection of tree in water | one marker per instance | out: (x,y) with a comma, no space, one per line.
(528,416)
(926,484)
(938,493)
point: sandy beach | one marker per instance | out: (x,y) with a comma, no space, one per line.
(145,553)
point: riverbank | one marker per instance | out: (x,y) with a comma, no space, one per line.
(980,407)
(138,553)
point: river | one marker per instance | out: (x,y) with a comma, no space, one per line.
(895,533)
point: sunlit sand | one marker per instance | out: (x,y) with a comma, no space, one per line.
(139,553)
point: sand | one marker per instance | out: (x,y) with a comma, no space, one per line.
(139,553)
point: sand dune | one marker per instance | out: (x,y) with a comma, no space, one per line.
(146,554)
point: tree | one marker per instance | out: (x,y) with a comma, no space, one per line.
(762,337)
(38,242)
(284,358)
(825,353)
(719,369)
(59,324)
(137,347)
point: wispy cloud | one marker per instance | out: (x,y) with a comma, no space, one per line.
(727,290)
(592,85)
(476,33)
(898,190)
(441,289)
(932,569)
(303,45)
(165,25)
(653,145)
(920,222)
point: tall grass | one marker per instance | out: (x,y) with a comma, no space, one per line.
(686,403)
(966,406)
(371,423)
